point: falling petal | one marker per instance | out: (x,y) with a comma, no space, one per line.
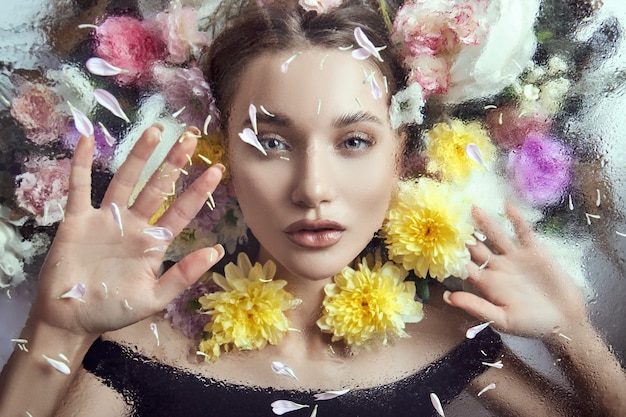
(160,233)
(161,248)
(281,407)
(78,291)
(282,369)
(367,48)
(250,138)
(285,65)
(437,404)
(5,100)
(87,26)
(377,93)
(597,198)
(82,123)
(110,140)
(108,101)
(205,128)
(62,356)
(484,264)
(314,413)
(99,66)
(620,234)
(264,110)
(28,414)
(478,235)
(19,341)
(127,305)
(487,388)
(591,216)
(498,364)
(205,159)
(117,217)
(154,329)
(473,151)
(106,290)
(565,337)
(329,395)
(178,112)
(473,331)
(345,48)
(58,365)
(252,113)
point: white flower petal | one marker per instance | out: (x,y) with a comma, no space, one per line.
(377,92)
(160,233)
(252,113)
(155,331)
(473,331)
(250,138)
(360,54)
(329,395)
(498,364)
(280,407)
(473,151)
(117,217)
(99,66)
(109,101)
(78,291)
(110,140)
(366,44)
(282,369)
(437,404)
(487,388)
(314,412)
(58,365)
(81,121)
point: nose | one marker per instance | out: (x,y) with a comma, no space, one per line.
(314,182)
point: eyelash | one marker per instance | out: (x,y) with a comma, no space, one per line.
(364,142)
(363,138)
(265,139)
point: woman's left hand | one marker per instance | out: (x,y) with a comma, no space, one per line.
(522,288)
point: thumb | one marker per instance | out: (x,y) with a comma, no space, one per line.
(185,272)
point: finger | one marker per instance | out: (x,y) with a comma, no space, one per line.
(125,179)
(479,252)
(163,182)
(523,230)
(495,234)
(186,206)
(186,272)
(79,194)
(476,306)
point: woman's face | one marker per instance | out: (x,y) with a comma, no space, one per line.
(320,194)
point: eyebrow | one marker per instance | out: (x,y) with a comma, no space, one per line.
(344,120)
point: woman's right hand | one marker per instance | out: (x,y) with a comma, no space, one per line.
(119,270)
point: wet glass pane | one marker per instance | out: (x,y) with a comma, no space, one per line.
(568,178)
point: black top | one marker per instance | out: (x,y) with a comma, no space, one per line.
(154,389)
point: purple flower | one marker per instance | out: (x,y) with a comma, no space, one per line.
(207,217)
(540,169)
(183,310)
(103,152)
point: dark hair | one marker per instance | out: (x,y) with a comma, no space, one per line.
(283,25)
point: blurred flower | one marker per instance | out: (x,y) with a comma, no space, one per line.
(14,251)
(186,87)
(126,43)
(208,217)
(36,107)
(42,189)
(509,126)
(184,313)
(541,169)
(212,148)
(232,229)
(369,307)
(179,31)
(406,106)
(319,6)
(249,312)
(190,239)
(72,85)
(103,152)
(446,149)
(427,229)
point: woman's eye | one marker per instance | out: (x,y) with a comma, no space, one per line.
(357,143)
(272,144)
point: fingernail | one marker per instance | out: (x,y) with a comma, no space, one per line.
(158,126)
(220,167)
(219,249)
(194,130)
(446,296)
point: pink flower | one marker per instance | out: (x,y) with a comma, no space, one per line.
(509,127)
(540,169)
(431,72)
(126,43)
(319,6)
(42,190)
(36,108)
(179,31)
(186,87)
(183,310)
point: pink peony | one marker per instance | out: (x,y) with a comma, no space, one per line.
(509,127)
(186,87)
(319,6)
(541,169)
(430,72)
(126,43)
(36,108)
(179,30)
(42,190)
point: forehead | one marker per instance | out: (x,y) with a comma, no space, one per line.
(318,81)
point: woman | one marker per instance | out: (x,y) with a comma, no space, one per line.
(314,178)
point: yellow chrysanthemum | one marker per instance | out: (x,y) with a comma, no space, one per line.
(249,313)
(161,210)
(426,229)
(212,148)
(365,307)
(446,149)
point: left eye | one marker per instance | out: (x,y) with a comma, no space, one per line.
(356,143)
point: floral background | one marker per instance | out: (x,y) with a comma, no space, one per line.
(570,100)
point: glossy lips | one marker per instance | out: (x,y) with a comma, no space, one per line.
(316,234)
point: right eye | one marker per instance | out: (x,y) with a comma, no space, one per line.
(272,143)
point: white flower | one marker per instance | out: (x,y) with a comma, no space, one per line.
(406,106)
(485,69)
(73,86)
(232,228)
(14,252)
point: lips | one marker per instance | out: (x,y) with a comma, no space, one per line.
(317,234)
